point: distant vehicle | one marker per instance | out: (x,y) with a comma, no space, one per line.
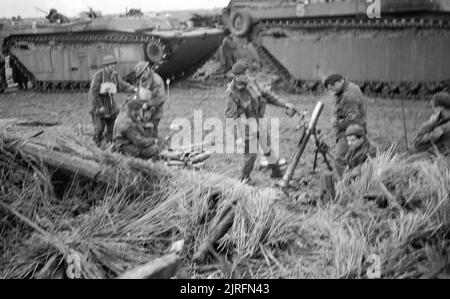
(65,56)
(402,53)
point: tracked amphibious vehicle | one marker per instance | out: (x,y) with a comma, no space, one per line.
(65,56)
(392,48)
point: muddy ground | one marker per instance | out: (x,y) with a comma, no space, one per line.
(385,122)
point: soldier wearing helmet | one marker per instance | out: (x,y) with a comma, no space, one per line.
(105,83)
(153,95)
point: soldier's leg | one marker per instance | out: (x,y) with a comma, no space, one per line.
(339,160)
(155,128)
(129,150)
(270,154)
(109,128)
(99,126)
(249,161)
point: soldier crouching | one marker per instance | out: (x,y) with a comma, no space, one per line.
(434,135)
(129,136)
(359,149)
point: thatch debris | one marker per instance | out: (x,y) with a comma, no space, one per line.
(161,268)
(72,211)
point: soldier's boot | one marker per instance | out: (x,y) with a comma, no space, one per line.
(277,172)
(249,162)
(274,165)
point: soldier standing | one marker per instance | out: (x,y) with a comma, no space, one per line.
(3,82)
(435,133)
(129,136)
(228,48)
(350,109)
(153,93)
(104,110)
(245,99)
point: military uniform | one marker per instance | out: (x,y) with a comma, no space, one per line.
(250,102)
(350,109)
(3,82)
(56,17)
(106,119)
(434,133)
(154,112)
(227,49)
(129,137)
(354,159)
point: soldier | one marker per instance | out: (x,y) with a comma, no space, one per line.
(3,82)
(227,50)
(350,109)
(55,17)
(152,92)
(104,110)
(129,136)
(245,99)
(435,133)
(359,150)
(253,58)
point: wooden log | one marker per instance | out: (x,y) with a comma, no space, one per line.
(162,268)
(216,233)
(200,158)
(59,160)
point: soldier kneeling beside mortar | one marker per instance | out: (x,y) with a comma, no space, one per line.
(129,134)
(360,149)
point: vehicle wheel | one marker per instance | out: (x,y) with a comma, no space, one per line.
(155,51)
(240,23)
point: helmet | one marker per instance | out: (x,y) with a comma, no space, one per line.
(109,59)
(141,67)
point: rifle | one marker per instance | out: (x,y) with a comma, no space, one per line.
(306,134)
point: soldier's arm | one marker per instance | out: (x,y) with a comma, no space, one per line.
(137,139)
(431,137)
(350,113)
(427,134)
(231,108)
(124,86)
(158,91)
(271,98)
(157,114)
(94,92)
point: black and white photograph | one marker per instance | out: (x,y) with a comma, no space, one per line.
(223,145)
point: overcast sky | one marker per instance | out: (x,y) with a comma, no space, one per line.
(26,8)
